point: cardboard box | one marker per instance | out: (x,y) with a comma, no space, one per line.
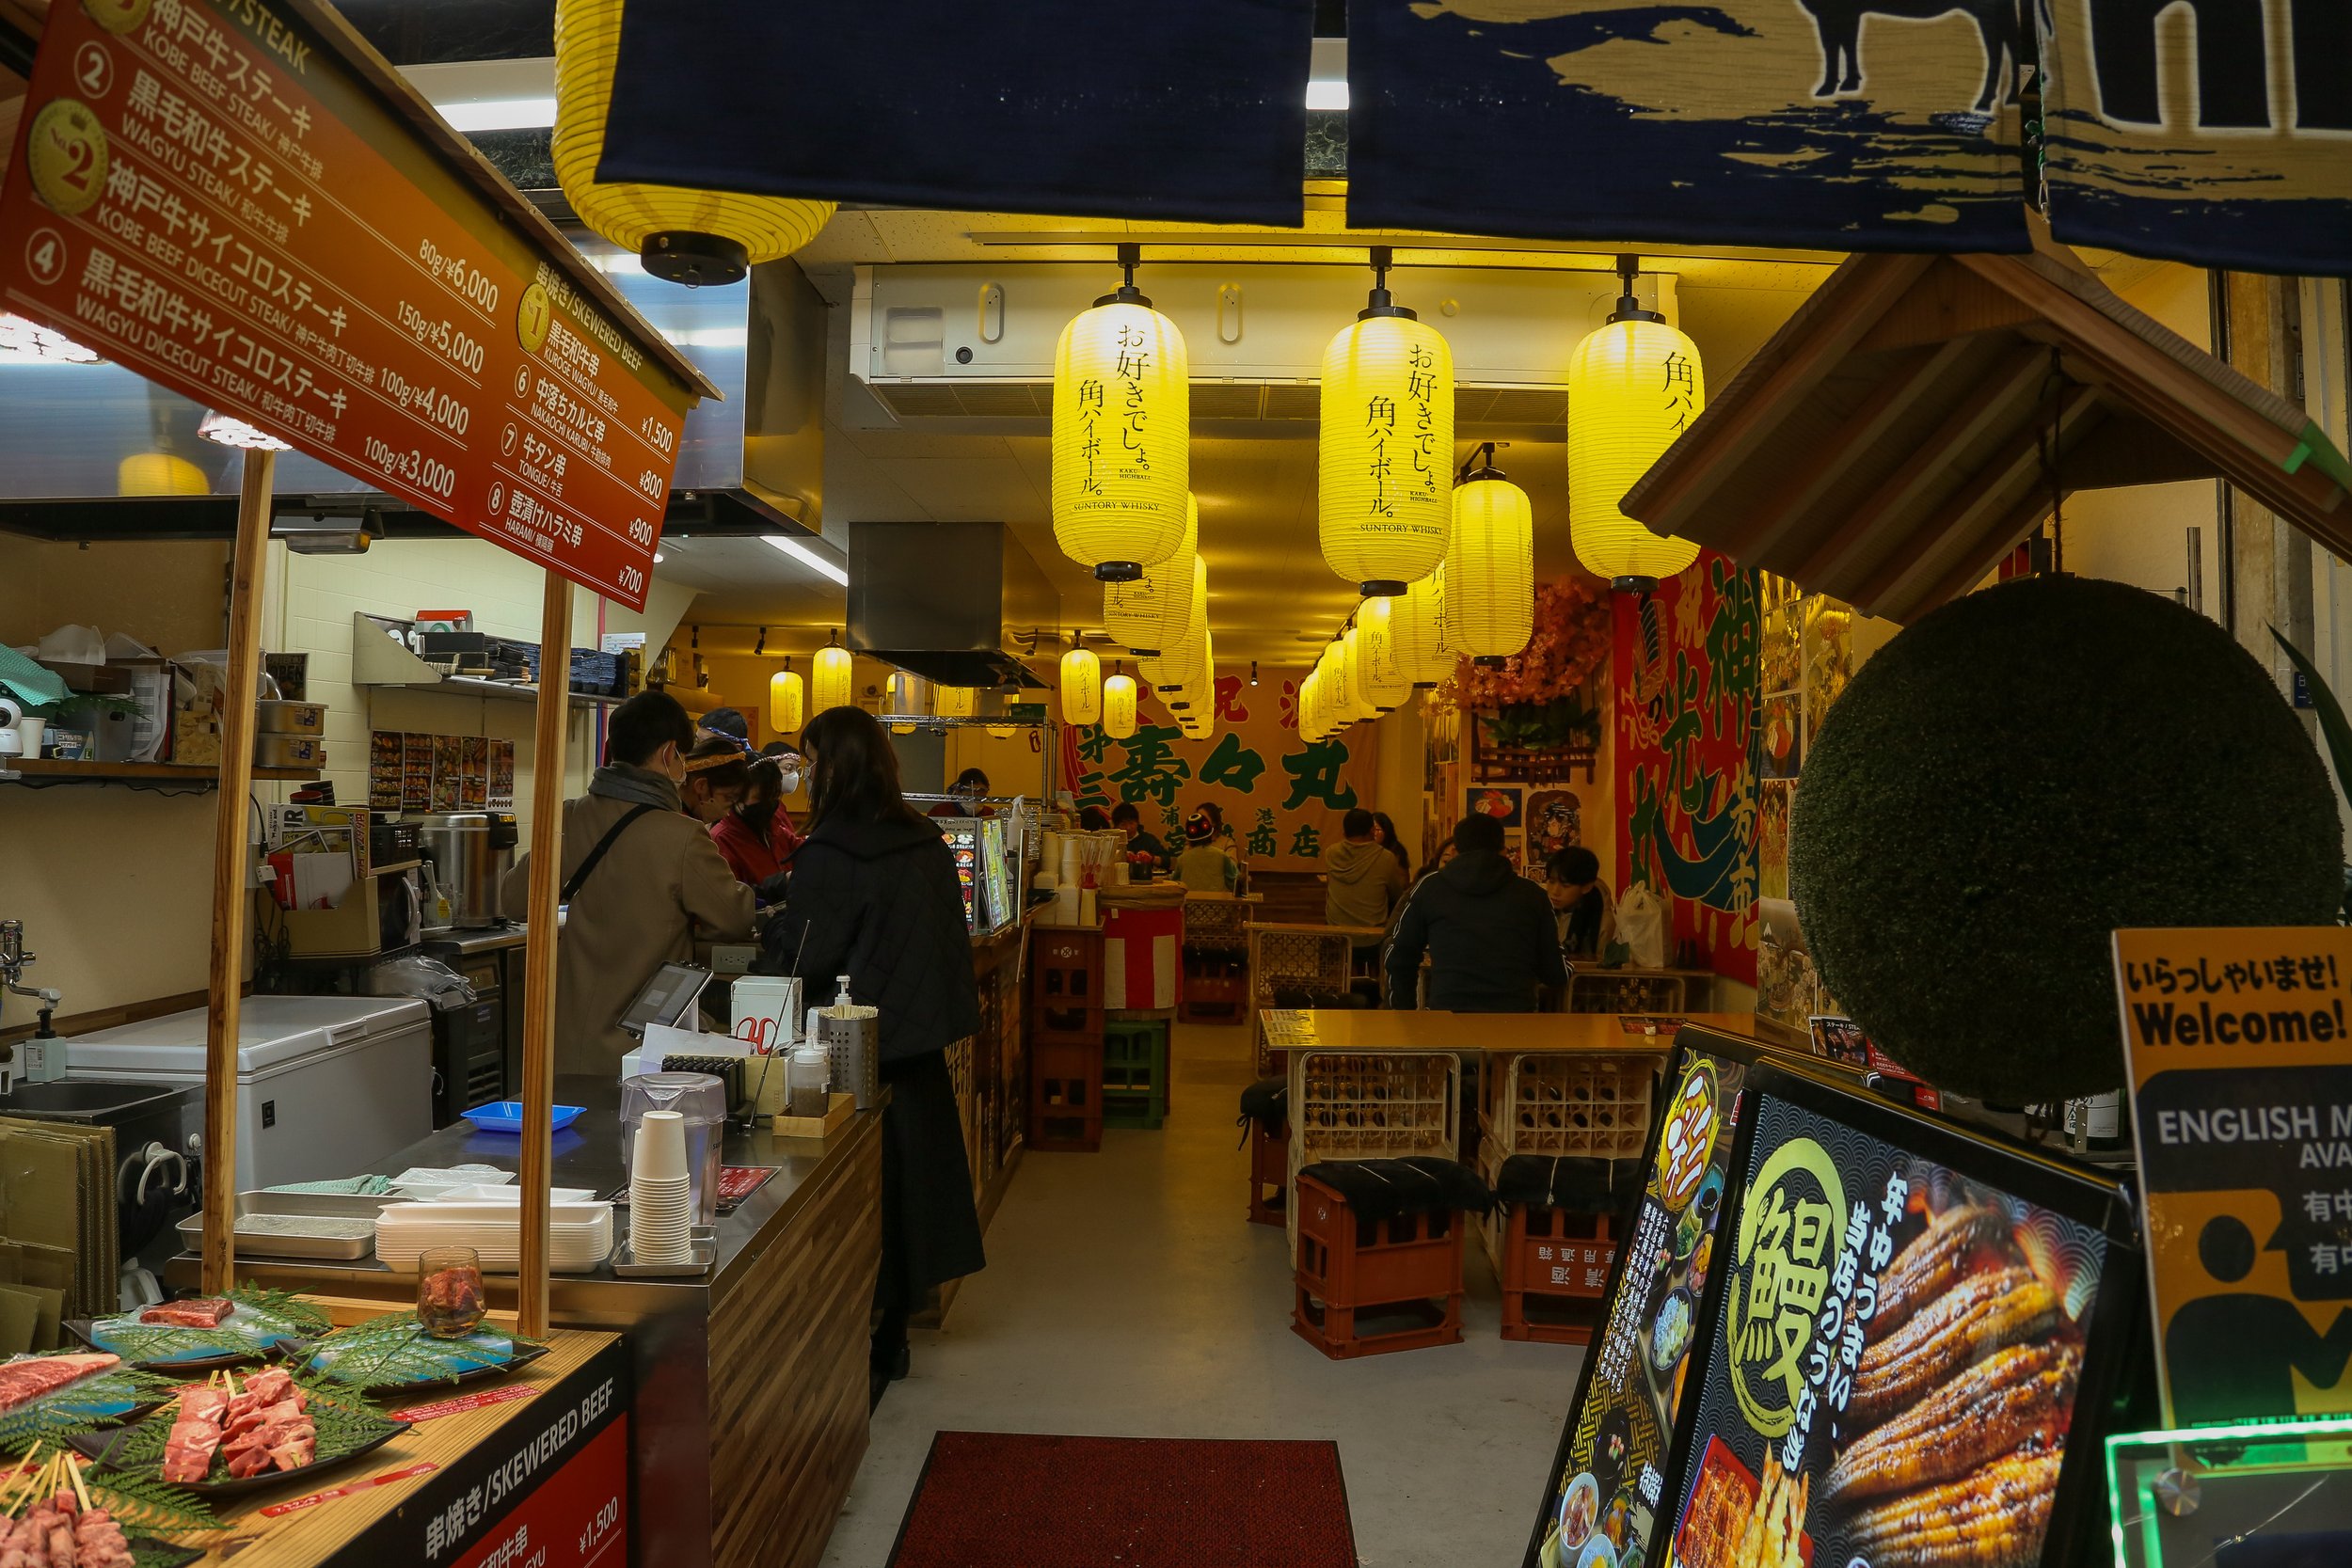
(353,928)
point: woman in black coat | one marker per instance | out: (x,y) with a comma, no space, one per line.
(873,894)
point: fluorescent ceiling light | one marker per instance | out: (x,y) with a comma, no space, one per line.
(657,558)
(23,341)
(808,558)
(1325,94)
(505,114)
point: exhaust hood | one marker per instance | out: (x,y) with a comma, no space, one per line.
(85,438)
(956,603)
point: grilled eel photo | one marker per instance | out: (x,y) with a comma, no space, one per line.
(1987,1411)
(1979,1315)
(1995,1517)
(1933,1262)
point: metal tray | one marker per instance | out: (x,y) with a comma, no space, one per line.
(704,1249)
(336,1206)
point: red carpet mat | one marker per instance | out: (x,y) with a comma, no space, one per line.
(991,1499)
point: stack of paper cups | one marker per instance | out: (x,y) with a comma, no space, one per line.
(661,1191)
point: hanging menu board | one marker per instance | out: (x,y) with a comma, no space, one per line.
(2241,1069)
(1607,1486)
(208,193)
(1907,1335)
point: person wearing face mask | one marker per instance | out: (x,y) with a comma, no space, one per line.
(642,881)
(757,838)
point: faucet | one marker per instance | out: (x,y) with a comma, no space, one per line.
(12,961)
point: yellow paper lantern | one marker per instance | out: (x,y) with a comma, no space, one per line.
(1152,613)
(1633,386)
(831,682)
(954,702)
(687,236)
(899,694)
(1119,706)
(159,474)
(787,701)
(1123,435)
(1311,726)
(1081,687)
(1423,632)
(1490,565)
(1385,454)
(1386,681)
(1179,664)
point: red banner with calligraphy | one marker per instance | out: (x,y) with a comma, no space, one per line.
(1685,670)
(204,193)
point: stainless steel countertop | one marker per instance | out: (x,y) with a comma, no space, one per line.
(466,941)
(588,1154)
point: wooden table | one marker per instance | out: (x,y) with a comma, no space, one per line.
(1483,1033)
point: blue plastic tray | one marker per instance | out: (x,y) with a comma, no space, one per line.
(506,1116)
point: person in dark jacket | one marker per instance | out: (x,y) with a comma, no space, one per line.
(1487,931)
(873,894)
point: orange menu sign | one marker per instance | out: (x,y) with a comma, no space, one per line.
(2241,1067)
(206,193)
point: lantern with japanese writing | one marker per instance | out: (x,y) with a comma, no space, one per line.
(1123,435)
(830,682)
(1490,565)
(686,236)
(1175,666)
(1152,614)
(954,702)
(1423,631)
(1384,464)
(1635,386)
(787,701)
(1119,705)
(1081,687)
(1387,683)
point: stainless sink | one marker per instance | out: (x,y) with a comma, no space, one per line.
(100,1100)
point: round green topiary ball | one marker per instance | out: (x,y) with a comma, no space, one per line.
(2015,776)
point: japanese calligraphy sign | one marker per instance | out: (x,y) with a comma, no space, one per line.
(2241,1071)
(1876,1304)
(1620,1436)
(208,193)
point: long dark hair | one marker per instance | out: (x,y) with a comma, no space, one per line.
(855,773)
(1389,839)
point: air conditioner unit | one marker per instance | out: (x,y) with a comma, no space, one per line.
(977,342)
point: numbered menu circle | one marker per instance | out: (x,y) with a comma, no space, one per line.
(533,313)
(67,156)
(117,16)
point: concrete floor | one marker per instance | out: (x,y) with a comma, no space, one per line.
(1126,1296)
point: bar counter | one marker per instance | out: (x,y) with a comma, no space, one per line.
(749,1413)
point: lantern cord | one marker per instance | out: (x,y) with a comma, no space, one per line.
(2046,448)
(1382,303)
(761,647)
(1130,257)
(1628,303)
(1480,463)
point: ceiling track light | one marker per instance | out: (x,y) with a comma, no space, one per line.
(761,647)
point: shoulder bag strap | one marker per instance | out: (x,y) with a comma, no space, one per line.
(603,844)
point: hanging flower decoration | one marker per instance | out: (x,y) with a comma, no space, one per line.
(1569,646)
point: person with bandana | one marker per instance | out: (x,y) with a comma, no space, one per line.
(641,882)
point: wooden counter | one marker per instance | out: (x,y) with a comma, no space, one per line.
(398,1521)
(750,1383)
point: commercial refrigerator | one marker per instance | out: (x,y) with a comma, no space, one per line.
(326,1085)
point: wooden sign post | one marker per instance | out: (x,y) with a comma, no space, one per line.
(242,201)
(546,880)
(232,887)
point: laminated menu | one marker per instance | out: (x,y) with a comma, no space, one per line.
(1898,1349)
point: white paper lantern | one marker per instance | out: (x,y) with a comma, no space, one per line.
(1152,614)
(1384,464)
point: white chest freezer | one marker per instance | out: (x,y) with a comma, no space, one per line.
(326,1085)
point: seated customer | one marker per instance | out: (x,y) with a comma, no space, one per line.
(1487,931)
(1364,880)
(1145,854)
(1204,866)
(1581,911)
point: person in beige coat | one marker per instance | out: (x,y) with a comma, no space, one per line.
(654,884)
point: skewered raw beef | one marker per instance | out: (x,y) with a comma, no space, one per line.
(195,1434)
(266,1427)
(33,1376)
(203,1312)
(60,1533)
